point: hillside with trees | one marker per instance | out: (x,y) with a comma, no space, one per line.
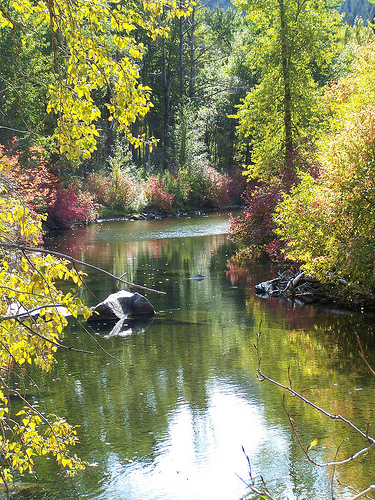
(358,9)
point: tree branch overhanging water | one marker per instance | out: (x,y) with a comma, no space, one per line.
(23,248)
(362,452)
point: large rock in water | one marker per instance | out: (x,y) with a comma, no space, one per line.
(122,305)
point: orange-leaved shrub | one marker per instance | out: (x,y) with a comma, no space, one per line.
(34,182)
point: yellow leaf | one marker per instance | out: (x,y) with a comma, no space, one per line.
(314,443)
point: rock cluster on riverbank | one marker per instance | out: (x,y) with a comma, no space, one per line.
(152,216)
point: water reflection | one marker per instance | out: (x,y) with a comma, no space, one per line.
(122,327)
(191,462)
(164,410)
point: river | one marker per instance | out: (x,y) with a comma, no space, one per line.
(173,409)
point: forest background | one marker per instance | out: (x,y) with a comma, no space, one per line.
(280,91)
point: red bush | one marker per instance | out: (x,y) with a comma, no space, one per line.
(255,225)
(275,250)
(237,184)
(73,207)
(156,196)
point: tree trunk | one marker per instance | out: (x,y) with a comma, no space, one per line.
(181,62)
(135,151)
(192,55)
(109,131)
(286,79)
(167,107)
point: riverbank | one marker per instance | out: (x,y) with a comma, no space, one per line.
(155,215)
(151,215)
(297,286)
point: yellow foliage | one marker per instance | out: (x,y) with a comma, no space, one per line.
(27,285)
(328,222)
(95,48)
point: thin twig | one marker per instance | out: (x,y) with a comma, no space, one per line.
(363,354)
(334,467)
(92,337)
(7,489)
(253,488)
(56,344)
(73,260)
(262,377)
(25,373)
(31,407)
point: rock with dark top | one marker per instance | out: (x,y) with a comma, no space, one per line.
(122,305)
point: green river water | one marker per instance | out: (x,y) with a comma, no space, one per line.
(165,410)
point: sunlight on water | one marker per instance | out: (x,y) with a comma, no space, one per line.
(192,460)
(165,228)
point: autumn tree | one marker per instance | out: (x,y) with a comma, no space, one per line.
(328,221)
(295,45)
(31,324)
(94,47)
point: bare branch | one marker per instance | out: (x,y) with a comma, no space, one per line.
(364,492)
(76,261)
(263,493)
(262,376)
(363,354)
(30,312)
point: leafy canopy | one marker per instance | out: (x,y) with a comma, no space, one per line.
(295,45)
(94,46)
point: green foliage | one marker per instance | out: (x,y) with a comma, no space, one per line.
(294,39)
(189,150)
(329,221)
(93,47)
(26,70)
(180,186)
(27,283)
